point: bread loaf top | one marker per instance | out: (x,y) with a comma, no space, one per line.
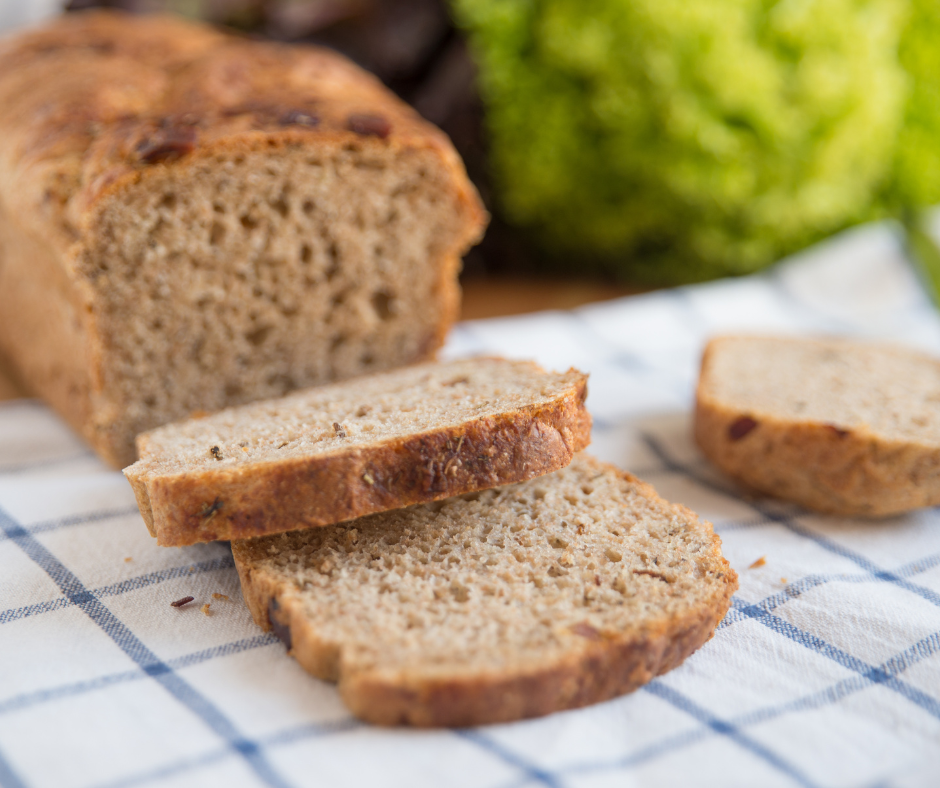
(95,100)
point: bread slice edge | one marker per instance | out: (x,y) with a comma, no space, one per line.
(824,467)
(278,496)
(602,668)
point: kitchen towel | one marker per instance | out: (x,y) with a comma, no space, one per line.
(826,671)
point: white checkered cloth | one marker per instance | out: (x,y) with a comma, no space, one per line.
(826,672)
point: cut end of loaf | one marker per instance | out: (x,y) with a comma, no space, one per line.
(248,274)
(508,603)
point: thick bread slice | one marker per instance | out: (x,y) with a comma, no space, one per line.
(377,442)
(551,594)
(190,220)
(838,426)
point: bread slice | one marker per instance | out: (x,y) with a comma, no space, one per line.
(191,220)
(514,602)
(373,443)
(838,426)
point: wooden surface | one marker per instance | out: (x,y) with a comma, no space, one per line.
(496,297)
(482,297)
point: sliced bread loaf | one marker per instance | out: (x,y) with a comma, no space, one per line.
(838,426)
(191,220)
(509,603)
(373,443)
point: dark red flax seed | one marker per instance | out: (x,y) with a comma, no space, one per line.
(369,125)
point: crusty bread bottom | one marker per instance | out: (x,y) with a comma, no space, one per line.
(551,594)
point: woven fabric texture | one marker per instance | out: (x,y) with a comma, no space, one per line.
(826,671)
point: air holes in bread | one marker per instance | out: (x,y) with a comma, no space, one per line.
(217,233)
(332,270)
(258,336)
(382,304)
(280,205)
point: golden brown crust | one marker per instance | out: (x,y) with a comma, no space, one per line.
(597,667)
(851,472)
(126,94)
(298,493)
(599,671)
(96,104)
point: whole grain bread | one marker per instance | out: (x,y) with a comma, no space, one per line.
(190,220)
(365,445)
(514,602)
(836,425)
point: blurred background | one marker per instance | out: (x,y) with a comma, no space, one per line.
(627,144)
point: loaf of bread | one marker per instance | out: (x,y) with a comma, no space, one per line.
(377,442)
(190,220)
(843,427)
(551,594)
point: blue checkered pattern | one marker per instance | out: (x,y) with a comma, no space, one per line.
(826,671)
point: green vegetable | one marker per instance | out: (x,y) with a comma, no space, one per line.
(916,176)
(671,140)
(922,251)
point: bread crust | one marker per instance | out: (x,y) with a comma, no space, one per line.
(598,666)
(99,104)
(829,468)
(50,313)
(290,494)
(594,673)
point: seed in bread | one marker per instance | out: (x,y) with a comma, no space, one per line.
(514,602)
(839,426)
(190,220)
(411,435)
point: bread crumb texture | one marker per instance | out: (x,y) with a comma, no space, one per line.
(836,425)
(370,409)
(377,442)
(501,604)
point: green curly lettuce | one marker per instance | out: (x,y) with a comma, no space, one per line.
(674,141)
(916,176)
